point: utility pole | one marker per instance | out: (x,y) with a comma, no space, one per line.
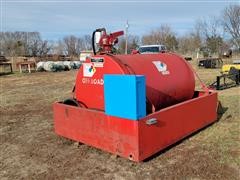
(126,45)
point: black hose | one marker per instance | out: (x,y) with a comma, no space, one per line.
(93,42)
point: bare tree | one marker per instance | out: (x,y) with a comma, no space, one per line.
(44,48)
(231,22)
(192,41)
(162,35)
(189,43)
(208,27)
(59,48)
(72,45)
(23,44)
(13,43)
(211,34)
(133,43)
(33,42)
(86,42)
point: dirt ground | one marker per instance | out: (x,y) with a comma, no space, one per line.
(31,150)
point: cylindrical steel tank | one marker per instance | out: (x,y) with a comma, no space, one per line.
(169,79)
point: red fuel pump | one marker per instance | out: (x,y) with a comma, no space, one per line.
(172,103)
(106,41)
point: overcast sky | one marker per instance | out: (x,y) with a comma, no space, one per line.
(57,18)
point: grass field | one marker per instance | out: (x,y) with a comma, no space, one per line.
(31,150)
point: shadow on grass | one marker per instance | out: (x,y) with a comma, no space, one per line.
(5,73)
(220,111)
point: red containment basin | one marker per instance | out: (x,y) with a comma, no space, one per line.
(171,102)
(169,78)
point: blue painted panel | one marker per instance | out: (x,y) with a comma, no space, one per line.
(125,96)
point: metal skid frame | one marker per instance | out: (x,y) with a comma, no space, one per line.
(136,140)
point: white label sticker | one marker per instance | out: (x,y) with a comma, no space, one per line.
(88,69)
(97,61)
(161,67)
(98,64)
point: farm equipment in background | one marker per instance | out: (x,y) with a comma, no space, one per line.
(188,58)
(133,105)
(227,67)
(5,66)
(230,76)
(227,53)
(210,62)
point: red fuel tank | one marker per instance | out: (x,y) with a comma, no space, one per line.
(169,78)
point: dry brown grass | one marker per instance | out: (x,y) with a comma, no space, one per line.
(31,150)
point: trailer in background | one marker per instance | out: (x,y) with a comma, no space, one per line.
(210,62)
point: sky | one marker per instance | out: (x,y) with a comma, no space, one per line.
(55,19)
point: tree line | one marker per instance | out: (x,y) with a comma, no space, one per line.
(31,44)
(209,35)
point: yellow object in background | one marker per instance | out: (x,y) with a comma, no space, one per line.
(226,68)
